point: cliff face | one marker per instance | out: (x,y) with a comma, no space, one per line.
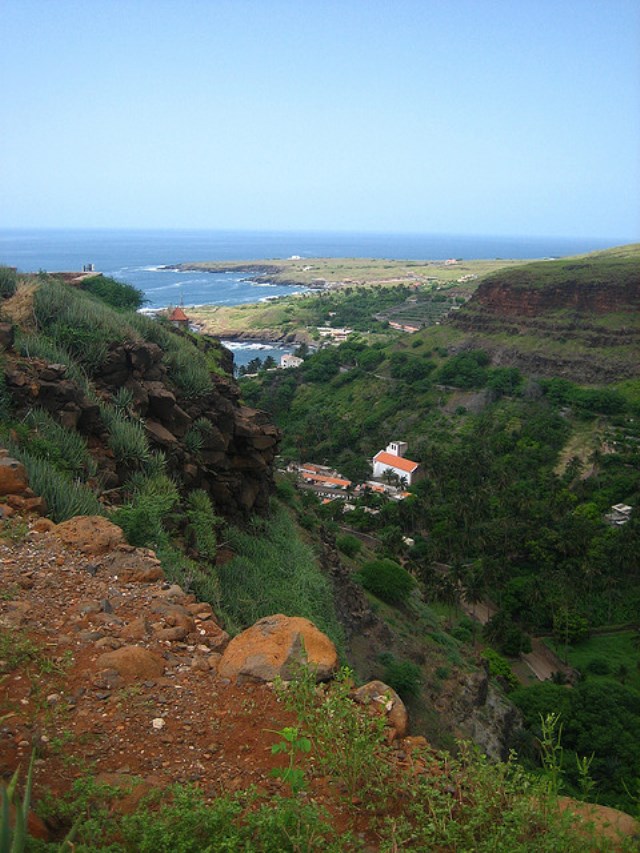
(577,318)
(232,459)
(507,298)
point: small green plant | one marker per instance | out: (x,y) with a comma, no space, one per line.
(144,516)
(127,439)
(65,449)
(349,743)
(15,840)
(202,523)
(500,668)
(349,545)
(293,743)
(551,750)
(194,441)
(13,529)
(585,782)
(8,282)
(16,649)
(123,402)
(64,497)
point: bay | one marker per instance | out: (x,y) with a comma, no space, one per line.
(135,256)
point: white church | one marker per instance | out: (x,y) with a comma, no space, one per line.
(393,459)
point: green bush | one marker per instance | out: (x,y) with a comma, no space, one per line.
(41,346)
(127,438)
(143,517)
(202,522)
(499,667)
(117,294)
(349,545)
(186,364)
(387,580)
(78,322)
(404,676)
(598,666)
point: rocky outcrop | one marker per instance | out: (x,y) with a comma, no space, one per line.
(479,710)
(90,534)
(232,458)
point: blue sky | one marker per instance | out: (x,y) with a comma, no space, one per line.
(450,116)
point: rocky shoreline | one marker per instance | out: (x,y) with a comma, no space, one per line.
(258,273)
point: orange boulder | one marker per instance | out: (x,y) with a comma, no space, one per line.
(276,646)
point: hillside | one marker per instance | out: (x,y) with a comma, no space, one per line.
(116,415)
(145,739)
(521,472)
(577,317)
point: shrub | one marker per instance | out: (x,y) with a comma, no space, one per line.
(80,323)
(598,666)
(387,580)
(143,518)
(202,523)
(404,676)
(40,346)
(187,365)
(499,668)
(349,545)
(117,294)
(127,438)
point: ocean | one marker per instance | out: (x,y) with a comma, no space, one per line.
(135,256)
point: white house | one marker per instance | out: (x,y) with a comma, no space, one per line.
(288,360)
(393,460)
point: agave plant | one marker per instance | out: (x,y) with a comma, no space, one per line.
(14,839)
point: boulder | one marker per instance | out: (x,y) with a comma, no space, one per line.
(132,663)
(89,534)
(13,477)
(275,646)
(382,699)
(609,823)
(159,434)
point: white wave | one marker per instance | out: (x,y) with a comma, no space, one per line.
(241,345)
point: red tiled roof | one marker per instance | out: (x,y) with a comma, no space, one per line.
(178,314)
(328,481)
(395,461)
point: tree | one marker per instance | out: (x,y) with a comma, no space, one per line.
(269,363)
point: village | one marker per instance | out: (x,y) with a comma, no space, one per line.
(392,474)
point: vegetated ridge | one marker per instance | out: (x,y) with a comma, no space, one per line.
(576,317)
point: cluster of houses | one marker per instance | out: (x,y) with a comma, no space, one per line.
(392,474)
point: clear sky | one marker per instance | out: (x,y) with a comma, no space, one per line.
(452,116)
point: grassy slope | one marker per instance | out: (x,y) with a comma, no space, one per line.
(612,267)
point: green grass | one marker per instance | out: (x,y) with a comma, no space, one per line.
(617,650)
(613,268)
(275,571)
